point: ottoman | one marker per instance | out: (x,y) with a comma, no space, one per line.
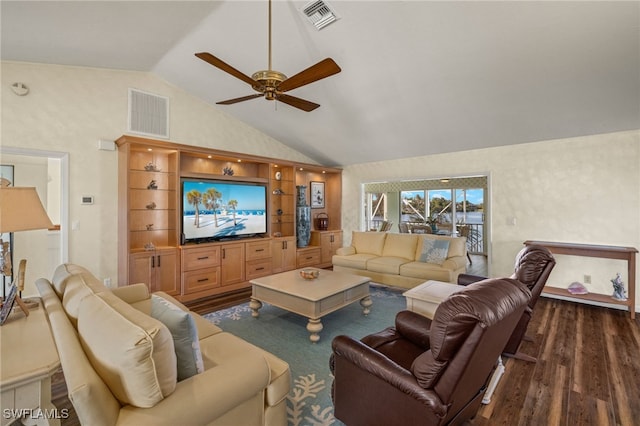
(425,298)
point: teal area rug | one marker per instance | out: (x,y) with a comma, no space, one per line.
(285,335)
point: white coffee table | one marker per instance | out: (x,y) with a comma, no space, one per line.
(310,298)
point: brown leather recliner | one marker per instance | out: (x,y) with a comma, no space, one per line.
(427,372)
(532,268)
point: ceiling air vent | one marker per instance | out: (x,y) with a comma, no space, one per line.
(148,114)
(320,14)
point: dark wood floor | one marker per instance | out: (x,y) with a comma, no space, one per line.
(587,373)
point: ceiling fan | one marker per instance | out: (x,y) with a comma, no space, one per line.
(272,84)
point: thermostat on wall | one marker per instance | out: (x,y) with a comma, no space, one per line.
(87,199)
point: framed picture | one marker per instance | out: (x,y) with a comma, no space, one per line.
(8,303)
(6,239)
(317,195)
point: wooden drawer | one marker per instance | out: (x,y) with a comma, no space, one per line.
(200,258)
(200,280)
(308,257)
(258,268)
(258,250)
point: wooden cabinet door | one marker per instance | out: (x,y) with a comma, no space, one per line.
(232,260)
(140,269)
(336,243)
(283,251)
(166,272)
(157,269)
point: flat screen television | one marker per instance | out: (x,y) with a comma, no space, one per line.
(215,210)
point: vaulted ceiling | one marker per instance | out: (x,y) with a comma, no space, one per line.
(418,77)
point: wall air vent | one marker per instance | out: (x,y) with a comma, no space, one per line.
(320,14)
(148,114)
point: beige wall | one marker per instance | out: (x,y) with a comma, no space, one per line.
(584,190)
(69,109)
(581,190)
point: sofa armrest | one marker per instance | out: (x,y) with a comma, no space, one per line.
(205,397)
(346,251)
(132,293)
(455,262)
(466,279)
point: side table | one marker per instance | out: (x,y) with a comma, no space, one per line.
(29,359)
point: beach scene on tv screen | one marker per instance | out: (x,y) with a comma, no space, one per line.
(219,210)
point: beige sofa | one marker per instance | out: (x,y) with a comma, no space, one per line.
(402,260)
(120,364)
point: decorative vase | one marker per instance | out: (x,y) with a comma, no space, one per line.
(303,217)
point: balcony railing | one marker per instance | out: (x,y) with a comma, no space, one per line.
(475,240)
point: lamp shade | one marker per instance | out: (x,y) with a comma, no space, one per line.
(21,210)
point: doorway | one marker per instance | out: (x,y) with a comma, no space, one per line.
(48,172)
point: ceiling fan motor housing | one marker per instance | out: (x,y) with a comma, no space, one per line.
(269,81)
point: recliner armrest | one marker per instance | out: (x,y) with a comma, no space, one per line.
(414,327)
(373,362)
(466,279)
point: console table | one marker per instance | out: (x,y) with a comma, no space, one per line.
(29,359)
(601,251)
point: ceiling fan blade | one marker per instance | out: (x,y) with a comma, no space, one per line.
(297,102)
(236,100)
(208,57)
(316,72)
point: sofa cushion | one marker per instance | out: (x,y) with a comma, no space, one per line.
(132,352)
(62,273)
(400,245)
(205,328)
(434,251)
(77,287)
(426,271)
(355,261)
(185,336)
(368,242)
(457,245)
(386,265)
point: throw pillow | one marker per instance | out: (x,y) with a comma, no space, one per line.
(434,251)
(185,335)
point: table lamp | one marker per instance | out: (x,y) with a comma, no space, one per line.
(21,210)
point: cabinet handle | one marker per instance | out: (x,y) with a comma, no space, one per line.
(201,280)
(224,253)
(331,238)
(259,269)
(153,261)
(203,257)
(158,261)
(310,257)
(284,245)
(257,250)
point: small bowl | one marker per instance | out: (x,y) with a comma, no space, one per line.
(309,274)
